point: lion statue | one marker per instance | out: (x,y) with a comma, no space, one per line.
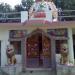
(10,54)
(64,53)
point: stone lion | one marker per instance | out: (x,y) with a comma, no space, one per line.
(64,53)
(10,54)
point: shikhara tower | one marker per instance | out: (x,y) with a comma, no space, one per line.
(43,9)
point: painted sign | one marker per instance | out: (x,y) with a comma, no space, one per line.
(17,33)
(58,32)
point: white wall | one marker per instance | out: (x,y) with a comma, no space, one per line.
(24,16)
(49,16)
(4,35)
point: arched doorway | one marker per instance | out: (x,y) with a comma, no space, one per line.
(38,50)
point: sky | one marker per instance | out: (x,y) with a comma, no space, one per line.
(11,2)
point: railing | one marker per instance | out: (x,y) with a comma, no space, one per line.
(10,17)
(63,15)
(66,15)
(60,15)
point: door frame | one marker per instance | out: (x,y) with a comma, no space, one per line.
(53,55)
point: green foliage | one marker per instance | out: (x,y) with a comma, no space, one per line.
(68,4)
(65,4)
(18,8)
(4,7)
(27,4)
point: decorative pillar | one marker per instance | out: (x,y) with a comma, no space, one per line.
(53,56)
(70,46)
(24,16)
(24,52)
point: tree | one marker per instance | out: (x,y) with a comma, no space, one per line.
(65,4)
(26,4)
(4,7)
(7,8)
(68,4)
(18,8)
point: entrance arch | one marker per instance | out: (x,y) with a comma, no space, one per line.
(38,50)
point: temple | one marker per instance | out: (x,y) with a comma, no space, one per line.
(37,42)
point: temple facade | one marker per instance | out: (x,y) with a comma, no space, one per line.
(38,43)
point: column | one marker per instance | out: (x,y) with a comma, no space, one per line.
(70,46)
(53,56)
(24,52)
(24,16)
(48,15)
(4,42)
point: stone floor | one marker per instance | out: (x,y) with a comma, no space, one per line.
(65,70)
(17,70)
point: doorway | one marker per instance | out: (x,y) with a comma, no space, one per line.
(38,50)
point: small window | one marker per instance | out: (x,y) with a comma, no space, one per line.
(17,46)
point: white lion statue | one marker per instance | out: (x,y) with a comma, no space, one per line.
(10,54)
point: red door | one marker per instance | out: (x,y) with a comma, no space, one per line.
(38,51)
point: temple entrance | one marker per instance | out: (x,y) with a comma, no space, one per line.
(38,50)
